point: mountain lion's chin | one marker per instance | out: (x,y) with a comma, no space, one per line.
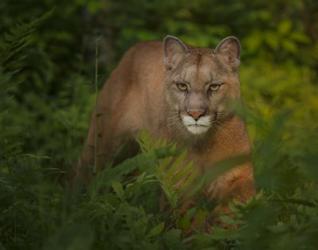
(197,129)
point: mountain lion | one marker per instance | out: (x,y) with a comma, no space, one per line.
(179,93)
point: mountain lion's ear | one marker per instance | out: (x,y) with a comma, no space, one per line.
(174,51)
(230,49)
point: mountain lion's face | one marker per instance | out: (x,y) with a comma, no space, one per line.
(200,83)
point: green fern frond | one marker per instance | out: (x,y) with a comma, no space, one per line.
(16,40)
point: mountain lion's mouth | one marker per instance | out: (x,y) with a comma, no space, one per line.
(196,127)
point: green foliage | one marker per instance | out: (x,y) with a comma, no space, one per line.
(46,75)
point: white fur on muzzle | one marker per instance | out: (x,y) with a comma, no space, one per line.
(200,126)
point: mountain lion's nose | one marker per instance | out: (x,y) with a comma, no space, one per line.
(196,114)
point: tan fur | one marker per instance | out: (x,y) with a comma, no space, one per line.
(141,95)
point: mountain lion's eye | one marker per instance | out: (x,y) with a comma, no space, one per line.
(182,86)
(214,87)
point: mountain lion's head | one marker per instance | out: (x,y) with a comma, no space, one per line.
(200,83)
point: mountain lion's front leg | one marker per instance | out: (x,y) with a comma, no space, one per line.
(237,184)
